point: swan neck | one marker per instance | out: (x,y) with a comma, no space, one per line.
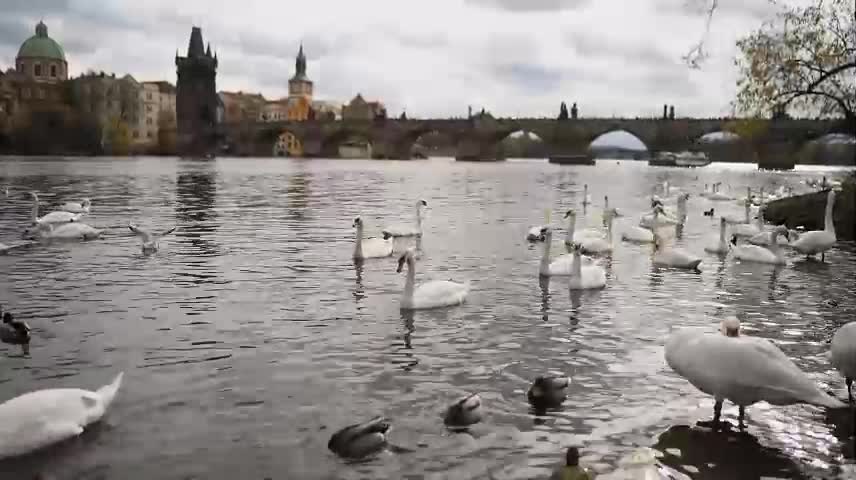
(410,281)
(34,214)
(722,232)
(609,229)
(746,209)
(419,217)
(544,267)
(358,244)
(828,223)
(569,236)
(576,265)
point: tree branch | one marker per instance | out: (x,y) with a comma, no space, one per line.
(830,73)
(794,94)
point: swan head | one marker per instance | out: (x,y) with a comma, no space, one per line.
(783,230)
(734,240)
(86,203)
(572,457)
(722,221)
(422,204)
(406,257)
(730,327)
(568,214)
(34,195)
(358,222)
(547,233)
(7,317)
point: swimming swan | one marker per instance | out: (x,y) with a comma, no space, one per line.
(819,241)
(571,234)
(370,247)
(843,355)
(743,370)
(673,257)
(771,254)
(584,277)
(37,419)
(62,231)
(361,439)
(52,217)
(615,212)
(149,241)
(599,245)
(464,412)
(401,230)
(432,294)
(721,246)
(74,207)
(561,265)
(657,218)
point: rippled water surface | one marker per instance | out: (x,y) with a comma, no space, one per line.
(251,335)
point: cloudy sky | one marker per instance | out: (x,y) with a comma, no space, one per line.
(513,57)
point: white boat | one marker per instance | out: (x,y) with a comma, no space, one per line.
(691,159)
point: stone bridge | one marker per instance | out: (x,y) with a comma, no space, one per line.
(771,142)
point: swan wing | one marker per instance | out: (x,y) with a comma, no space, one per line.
(37,419)
(744,370)
(59,217)
(843,350)
(74,231)
(745,230)
(755,253)
(561,265)
(595,245)
(376,247)
(814,241)
(439,293)
(401,230)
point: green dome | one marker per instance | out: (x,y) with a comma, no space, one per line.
(41,45)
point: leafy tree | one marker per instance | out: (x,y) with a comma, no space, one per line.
(804,58)
(166,133)
(118,136)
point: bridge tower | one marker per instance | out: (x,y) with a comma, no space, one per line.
(197,104)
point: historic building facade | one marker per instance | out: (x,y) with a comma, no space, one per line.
(242,107)
(198,107)
(156,111)
(359,109)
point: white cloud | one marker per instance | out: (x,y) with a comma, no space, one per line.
(512,57)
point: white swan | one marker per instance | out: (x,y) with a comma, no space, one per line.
(401,230)
(571,235)
(681,216)
(672,257)
(432,294)
(771,254)
(819,241)
(843,355)
(561,265)
(743,370)
(721,246)
(52,217)
(615,212)
(599,245)
(37,419)
(585,277)
(75,207)
(149,241)
(370,247)
(62,231)
(657,218)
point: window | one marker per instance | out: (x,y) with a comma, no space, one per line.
(149,134)
(40,93)
(53,71)
(37,69)
(25,93)
(149,121)
(149,96)
(20,68)
(148,108)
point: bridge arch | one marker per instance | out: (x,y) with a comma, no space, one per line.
(522,143)
(348,143)
(618,143)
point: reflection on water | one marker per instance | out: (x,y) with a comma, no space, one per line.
(252,335)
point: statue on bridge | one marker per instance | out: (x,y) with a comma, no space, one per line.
(563,112)
(665,111)
(671,112)
(574,111)
(403,115)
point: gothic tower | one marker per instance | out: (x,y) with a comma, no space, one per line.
(196,103)
(299,85)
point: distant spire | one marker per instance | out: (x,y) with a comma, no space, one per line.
(300,63)
(196,47)
(208,50)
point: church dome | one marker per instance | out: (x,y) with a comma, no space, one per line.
(41,45)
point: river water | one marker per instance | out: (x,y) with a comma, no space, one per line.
(250,337)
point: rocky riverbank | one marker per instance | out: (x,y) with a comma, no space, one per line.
(808,210)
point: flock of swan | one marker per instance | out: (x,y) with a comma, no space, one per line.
(748,369)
